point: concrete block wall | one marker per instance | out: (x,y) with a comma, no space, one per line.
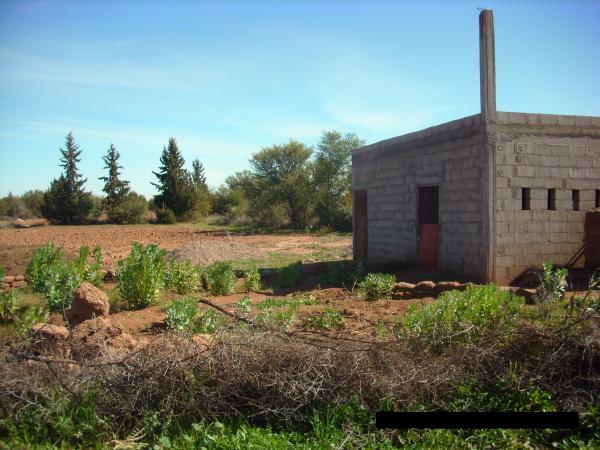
(448,155)
(541,152)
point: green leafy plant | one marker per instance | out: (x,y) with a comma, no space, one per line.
(43,262)
(281,320)
(220,278)
(182,277)
(289,276)
(329,319)
(460,318)
(209,322)
(31,316)
(1,274)
(553,282)
(182,315)
(376,286)
(140,275)
(8,306)
(252,279)
(243,306)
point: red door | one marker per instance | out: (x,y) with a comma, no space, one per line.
(429,228)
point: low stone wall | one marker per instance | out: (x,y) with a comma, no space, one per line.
(13,282)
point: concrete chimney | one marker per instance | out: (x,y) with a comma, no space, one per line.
(487,65)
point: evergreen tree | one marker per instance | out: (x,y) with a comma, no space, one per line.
(198,174)
(175,185)
(66,201)
(116,189)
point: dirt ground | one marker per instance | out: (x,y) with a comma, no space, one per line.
(186,241)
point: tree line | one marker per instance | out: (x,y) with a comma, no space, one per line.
(288,185)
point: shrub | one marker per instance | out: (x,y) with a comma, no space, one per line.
(252,279)
(132,209)
(181,277)
(140,275)
(343,275)
(182,315)
(553,283)
(461,318)
(281,320)
(289,276)
(376,286)
(329,319)
(220,278)
(243,306)
(165,216)
(209,322)
(42,263)
(8,306)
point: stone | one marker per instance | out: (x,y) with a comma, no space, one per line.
(20,278)
(463,286)
(402,287)
(8,279)
(49,332)
(88,302)
(408,295)
(96,337)
(5,286)
(445,286)
(203,341)
(398,296)
(425,287)
(18,284)
(109,277)
(528,294)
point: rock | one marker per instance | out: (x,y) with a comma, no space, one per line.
(408,295)
(426,288)
(402,286)
(18,284)
(203,341)
(95,337)
(20,278)
(267,273)
(5,286)
(8,279)
(109,277)
(49,332)
(509,289)
(445,286)
(528,294)
(88,302)
(398,296)
(428,299)
(463,286)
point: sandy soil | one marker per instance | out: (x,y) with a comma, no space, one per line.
(17,245)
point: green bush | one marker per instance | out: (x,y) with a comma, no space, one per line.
(220,278)
(182,315)
(165,216)
(252,279)
(376,286)
(281,320)
(140,275)
(43,262)
(31,316)
(461,318)
(8,306)
(243,306)
(553,283)
(329,319)
(132,209)
(342,275)
(182,277)
(209,322)
(289,276)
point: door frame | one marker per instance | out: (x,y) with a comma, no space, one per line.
(418,221)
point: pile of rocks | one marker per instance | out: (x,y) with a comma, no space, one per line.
(425,289)
(13,282)
(90,333)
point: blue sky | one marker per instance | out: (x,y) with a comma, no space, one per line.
(227,78)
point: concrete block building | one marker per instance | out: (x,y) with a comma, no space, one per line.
(489,195)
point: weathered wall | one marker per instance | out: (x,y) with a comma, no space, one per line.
(448,155)
(542,151)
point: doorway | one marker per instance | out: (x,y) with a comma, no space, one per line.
(429,227)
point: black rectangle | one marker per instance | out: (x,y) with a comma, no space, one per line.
(453,420)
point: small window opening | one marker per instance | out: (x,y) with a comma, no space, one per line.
(575,195)
(525,199)
(597,198)
(551,199)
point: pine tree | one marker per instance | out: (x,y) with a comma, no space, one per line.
(116,189)
(175,185)
(198,174)
(66,201)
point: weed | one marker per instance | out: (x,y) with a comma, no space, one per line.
(380,331)
(553,282)
(252,279)
(140,275)
(43,260)
(281,320)
(181,315)
(243,306)
(8,306)
(209,322)
(329,319)
(289,276)
(461,317)
(376,286)
(182,277)
(220,278)
(31,316)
